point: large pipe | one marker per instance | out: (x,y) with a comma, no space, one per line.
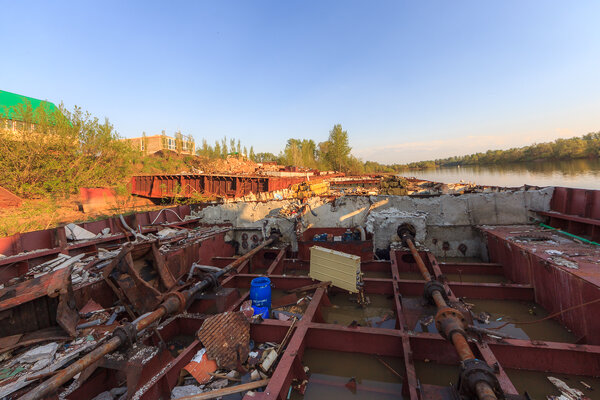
(483,390)
(171,305)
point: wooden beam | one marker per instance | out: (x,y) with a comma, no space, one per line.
(228,390)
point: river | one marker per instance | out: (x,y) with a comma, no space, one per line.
(582,173)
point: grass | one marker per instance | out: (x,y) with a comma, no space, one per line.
(48,213)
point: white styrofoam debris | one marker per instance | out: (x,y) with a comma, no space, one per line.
(554,252)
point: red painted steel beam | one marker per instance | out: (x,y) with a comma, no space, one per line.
(559,358)
(284,373)
(360,339)
(401,320)
(497,291)
(472,268)
(472,290)
(277,264)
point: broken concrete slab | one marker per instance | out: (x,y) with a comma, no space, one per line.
(75,232)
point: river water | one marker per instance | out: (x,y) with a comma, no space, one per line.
(583,174)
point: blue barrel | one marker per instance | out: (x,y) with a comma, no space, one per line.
(260,292)
(262,311)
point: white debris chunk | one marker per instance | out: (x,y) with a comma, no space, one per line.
(554,252)
(45,352)
(75,232)
(564,262)
(183,391)
(167,232)
(568,392)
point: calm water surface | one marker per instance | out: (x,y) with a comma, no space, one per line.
(583,174)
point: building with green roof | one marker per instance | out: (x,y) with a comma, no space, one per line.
(19,112)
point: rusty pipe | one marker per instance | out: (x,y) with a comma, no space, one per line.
(417,257)
(462,347)
(170,306)
(483,389)
(438,298)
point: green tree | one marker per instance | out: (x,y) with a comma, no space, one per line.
(338,148)
(224,151)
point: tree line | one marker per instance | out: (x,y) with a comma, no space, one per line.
(224,148)
(331,154)
(586,146)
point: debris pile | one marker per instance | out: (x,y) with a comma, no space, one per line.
(394,185)
(229,361)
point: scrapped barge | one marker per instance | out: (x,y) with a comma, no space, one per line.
(473,296)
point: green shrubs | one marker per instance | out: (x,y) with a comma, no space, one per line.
(61,153)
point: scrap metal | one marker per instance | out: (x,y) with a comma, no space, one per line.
(175,302)
(226,338)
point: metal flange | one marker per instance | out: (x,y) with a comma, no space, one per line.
(127,334)
(432,286)
(473,372)
(449,321)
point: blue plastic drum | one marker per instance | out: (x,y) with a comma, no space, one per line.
(260,292)
(262,311)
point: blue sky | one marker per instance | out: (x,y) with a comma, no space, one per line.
(408,80)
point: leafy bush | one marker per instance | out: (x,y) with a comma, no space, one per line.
(61,153)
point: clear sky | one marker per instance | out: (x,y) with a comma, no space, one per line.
(408,80)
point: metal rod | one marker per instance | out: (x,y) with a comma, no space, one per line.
(170,306)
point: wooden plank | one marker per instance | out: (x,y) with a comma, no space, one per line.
(228,390)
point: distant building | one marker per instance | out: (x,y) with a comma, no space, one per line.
(18,112)
(156,143)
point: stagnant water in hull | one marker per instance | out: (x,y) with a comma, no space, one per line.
(500,312)
(535,383)
(430,373)
(330,372)
(378,314)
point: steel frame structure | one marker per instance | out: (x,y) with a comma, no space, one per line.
(158,377)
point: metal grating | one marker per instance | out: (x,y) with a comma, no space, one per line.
(226,338)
